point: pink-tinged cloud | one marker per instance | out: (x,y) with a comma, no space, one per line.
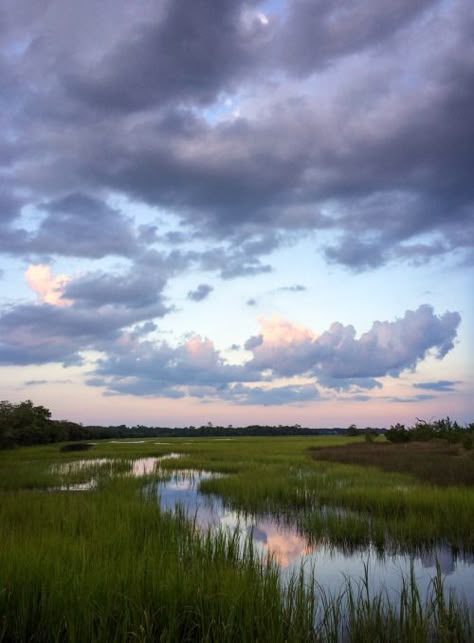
(48,288)
(388,348)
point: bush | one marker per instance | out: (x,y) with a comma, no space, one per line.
(77,446)
(398,433)
(467,442)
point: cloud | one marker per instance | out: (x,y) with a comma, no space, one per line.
(241,258)
(439,385)
(272,396)
(231,134)
(335,135)
(49,289)
(77,225)
(421,397)
(95,320)
(133,363)
(388,348)
(253,342)
(293,288)
(82,225)
(156,369)
(41,382)
(187,53)
(317,33)
(349,383)
(136,289)
(335,359)
(202,292)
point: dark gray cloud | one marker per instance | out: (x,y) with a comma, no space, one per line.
(319,31)
(348,383)
(421,397)
(42,382)
(81,225)
(376,151)
(275,396)
(76,225)
(201,292)
(135,289)
(190,52)
(253,342)
(9,207)
(42,334)
(439,385)
(356,254)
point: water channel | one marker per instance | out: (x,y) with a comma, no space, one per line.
(291,549)
(331,565)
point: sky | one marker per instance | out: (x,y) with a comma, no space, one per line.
(238,212)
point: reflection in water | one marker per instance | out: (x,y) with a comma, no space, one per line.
(285,544)
(291,550)
(136,468)
(269,537)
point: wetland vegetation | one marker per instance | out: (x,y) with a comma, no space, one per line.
(114,563)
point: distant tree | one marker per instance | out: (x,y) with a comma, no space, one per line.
(369,435)
(397,433)
(6,434)
(25,423)
(352,430)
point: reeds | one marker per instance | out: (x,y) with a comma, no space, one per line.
(107,565)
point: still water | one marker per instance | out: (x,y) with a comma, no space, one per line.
(292,550)
(136,468)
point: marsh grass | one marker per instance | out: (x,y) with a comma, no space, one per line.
(109,566)
(352,506)
(436,461)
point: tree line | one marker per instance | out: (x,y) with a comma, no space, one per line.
(26,424)
(423,431)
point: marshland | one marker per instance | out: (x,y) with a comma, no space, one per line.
(238,539)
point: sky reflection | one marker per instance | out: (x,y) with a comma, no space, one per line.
(292,550)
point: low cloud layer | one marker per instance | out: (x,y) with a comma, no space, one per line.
(442,386)
(132,363)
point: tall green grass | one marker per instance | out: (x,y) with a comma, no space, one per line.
(109,566)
